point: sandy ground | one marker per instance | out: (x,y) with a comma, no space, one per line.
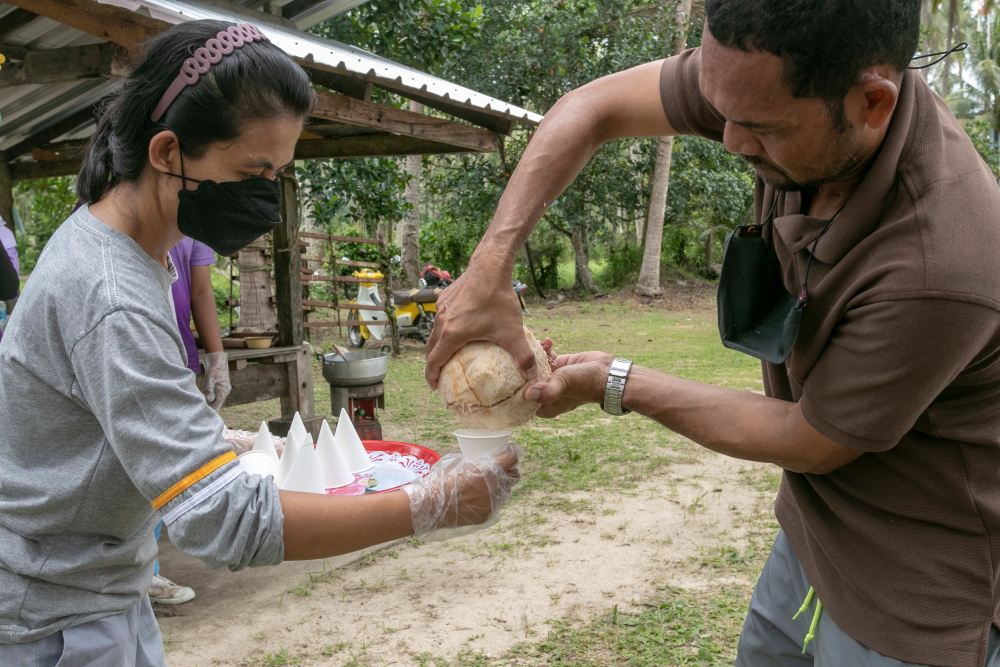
(484,592)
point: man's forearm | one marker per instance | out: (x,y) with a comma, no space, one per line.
(739,424)
(557,153)
(626,104)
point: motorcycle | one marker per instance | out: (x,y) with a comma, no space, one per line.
(414,309)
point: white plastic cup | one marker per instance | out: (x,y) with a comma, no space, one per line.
(258,463)
(478,442)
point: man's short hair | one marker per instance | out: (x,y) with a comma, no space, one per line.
(825,44)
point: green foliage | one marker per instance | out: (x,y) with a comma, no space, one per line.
(984,138)
(622,265)
(363,193)
(43,205)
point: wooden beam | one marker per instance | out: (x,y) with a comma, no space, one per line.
(288,264)
(45,136)
(345,323)
(65,65)
(341,83)
(493,121)
(14,21)
(26,171)
(13,53)
(341,239)
(373,145)
(113,24)
(344,109)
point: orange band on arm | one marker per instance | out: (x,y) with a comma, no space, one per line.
(198,474)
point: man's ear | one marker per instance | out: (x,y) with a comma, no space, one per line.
(873,99)
(165,152)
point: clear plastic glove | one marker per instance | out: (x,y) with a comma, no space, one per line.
(461,496)
(217,385)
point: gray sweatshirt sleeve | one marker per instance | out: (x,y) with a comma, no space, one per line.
(130,374)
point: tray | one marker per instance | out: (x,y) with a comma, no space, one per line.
(395,461)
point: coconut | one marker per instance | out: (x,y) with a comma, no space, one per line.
(483,387)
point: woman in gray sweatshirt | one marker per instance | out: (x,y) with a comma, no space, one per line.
(105,432)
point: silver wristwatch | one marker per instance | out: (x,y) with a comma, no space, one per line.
(614,392)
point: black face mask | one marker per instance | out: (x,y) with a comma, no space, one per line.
(757,315)
(229,216)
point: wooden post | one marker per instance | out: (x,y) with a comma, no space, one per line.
(288,294)
(288,264)
(6,192)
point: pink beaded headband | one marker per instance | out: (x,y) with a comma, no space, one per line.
(221,45)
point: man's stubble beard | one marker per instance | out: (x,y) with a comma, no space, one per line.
(843,145)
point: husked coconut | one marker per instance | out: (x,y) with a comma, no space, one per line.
(483,387)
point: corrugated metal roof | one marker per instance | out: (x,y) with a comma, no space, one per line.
(29,109)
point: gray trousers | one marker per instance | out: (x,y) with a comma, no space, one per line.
(772,639)
(130,639)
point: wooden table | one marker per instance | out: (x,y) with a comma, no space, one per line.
(276,372)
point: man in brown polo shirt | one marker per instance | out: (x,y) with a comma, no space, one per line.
(886,415)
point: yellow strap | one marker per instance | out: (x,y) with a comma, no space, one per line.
(198,474)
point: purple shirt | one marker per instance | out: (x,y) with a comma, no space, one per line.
(9,244)
(184,255)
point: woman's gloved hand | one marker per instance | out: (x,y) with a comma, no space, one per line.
(460,496)
(217,385)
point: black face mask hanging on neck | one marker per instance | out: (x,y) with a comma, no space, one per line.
(229,216)
(757,315)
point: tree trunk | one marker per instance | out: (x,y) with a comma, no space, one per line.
(584,280)
(709,246)
(408,230)
(256,312)
(649,273)
(948,43)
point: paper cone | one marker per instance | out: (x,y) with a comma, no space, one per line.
(287,458)
(304,475)
(258,463)
(333,469)
(299,429)
(350,445)
(264,442)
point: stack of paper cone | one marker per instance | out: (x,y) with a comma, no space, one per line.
(264,443)
(287,457)
(350,445)
(304,475)
(333,469)
(299,429)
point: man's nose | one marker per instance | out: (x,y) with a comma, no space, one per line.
(740,141)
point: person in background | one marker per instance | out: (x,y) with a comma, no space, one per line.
(9,281)
(193,295)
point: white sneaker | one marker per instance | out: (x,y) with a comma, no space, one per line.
(164,591)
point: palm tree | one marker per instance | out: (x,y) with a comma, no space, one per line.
(649,273)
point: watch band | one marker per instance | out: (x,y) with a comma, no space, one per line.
(614,391)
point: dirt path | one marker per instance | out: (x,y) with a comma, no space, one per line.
(485,592)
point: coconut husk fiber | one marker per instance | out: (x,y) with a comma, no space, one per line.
(482,386)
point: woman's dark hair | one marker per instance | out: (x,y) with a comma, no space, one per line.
(825,44)
(258,80)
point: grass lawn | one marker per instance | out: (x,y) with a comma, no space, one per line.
(573,462)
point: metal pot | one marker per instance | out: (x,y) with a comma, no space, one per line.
(361,369)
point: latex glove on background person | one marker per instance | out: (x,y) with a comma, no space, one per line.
(217,385)
(461,496)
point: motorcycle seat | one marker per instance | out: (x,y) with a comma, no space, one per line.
(406,297)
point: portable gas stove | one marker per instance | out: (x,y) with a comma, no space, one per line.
(356,386)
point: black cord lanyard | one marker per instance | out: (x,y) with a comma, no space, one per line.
(940,55)
(804,292)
